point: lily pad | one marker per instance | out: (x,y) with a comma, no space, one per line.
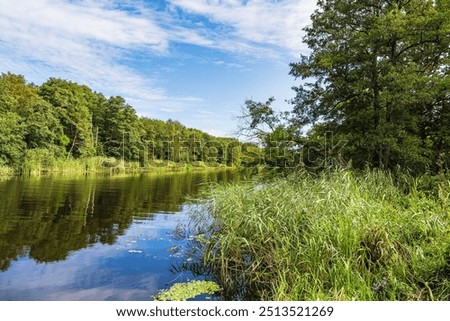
(184,291)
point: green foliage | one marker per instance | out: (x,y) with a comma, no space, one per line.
(377,77)
(12,133)
(63,126)
(71,102)
(279,138)
(28,121)
(184,291)
(119,131)
(37,160)
(333,236)
(376,82)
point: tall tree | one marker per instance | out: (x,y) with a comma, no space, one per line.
(34,118)
(121,132)
(377,76)
(12,145)
(72,106)
(274,131)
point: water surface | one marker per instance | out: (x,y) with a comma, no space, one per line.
(96,237)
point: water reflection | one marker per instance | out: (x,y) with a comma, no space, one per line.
(93,238)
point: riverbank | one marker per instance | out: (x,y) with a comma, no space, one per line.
(103,165)
(336,236)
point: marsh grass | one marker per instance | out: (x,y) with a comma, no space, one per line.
(335,236)
(38,164)
(41,162)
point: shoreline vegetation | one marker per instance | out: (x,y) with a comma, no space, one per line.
(62,126)
(106,165)
(373,98)
(338,235)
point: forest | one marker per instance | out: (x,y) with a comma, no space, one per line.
(62,124)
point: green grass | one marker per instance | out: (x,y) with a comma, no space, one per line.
(337,236)
(39,162)
(41,165)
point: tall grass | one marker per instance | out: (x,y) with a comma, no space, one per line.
(337,236)
(38,162)
(43,161)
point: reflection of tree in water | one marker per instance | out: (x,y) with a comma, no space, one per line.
(47,219)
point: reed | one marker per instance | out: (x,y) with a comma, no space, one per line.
(41,162)
(335,236)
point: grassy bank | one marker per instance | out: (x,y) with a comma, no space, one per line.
(338,236)
(49,165)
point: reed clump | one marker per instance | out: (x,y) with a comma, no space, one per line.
(335,236)
(41,162)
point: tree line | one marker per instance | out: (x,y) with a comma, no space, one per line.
(61,119)
(374,92)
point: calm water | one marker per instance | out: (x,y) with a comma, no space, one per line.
(95,237)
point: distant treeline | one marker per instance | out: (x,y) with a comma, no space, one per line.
(62,120)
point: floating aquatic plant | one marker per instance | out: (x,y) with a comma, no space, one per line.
(189,290)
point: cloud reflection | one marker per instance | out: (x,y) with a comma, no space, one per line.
(102,272)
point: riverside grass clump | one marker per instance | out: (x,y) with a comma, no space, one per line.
(41,162)
(336,236)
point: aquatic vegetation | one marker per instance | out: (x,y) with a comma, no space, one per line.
(188,290)
(333,236)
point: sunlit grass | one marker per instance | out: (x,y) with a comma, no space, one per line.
(41,162)
(337,236)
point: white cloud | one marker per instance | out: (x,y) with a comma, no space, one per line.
(257,22)
(95,42)
(80,22)
(84,42)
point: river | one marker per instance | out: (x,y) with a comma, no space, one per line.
(95,237)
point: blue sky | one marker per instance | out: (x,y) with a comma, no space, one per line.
(195,61)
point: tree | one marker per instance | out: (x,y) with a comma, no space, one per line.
(121,131)
(274,131)
(34,118)
(377,76)
(71,104)
(12,145)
